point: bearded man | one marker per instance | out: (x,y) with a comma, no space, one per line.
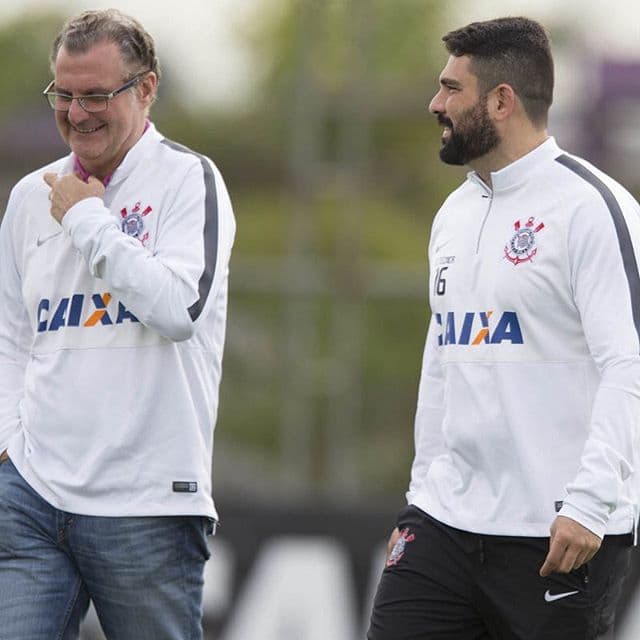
(522,504)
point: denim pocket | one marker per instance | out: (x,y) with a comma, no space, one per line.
(198,534)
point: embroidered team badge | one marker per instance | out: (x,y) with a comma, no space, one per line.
(133,223)
(522,246)
(399,547)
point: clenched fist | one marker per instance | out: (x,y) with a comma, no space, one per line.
(69,190)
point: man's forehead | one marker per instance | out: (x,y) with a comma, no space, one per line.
(458,69)
(101,63)
(101,55)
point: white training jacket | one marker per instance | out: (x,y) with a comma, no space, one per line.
(529,399)
(111,335)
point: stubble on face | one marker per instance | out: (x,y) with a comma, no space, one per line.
(472,137)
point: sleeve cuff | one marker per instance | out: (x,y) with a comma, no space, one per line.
(75,213)
(595,526)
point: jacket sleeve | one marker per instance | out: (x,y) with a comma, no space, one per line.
(606,288)
(167,289)
(429,414)
(15,331)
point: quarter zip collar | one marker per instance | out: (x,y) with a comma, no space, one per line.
(518,171)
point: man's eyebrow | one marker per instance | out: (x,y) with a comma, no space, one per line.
(450,82)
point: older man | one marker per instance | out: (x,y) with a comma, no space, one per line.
(113,281)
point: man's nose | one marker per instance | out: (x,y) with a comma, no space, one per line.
(436,105)
(76,113)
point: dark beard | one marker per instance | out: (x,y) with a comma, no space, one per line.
(474,136)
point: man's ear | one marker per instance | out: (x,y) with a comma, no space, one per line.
(147,88)
(502,102)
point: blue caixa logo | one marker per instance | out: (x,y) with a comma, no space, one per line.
(479,327)
(81,310)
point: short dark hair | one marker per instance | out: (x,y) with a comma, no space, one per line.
(515,51)
(136,45)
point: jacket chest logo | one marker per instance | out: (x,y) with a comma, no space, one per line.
(81,310)
(133,222)
(476,328)
(522,245)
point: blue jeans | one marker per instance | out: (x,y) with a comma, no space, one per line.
(144,575)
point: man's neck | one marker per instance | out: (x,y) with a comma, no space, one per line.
(83,174)
(512,148)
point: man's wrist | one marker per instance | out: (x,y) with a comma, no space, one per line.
(582,518)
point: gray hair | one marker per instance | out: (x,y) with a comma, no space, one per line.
(136,45)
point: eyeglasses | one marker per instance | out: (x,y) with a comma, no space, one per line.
(90,103)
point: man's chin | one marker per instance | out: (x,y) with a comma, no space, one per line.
(451,155)
(84,150)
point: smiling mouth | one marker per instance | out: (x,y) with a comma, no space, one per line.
(85,131)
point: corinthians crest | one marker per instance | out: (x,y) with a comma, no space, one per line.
(398,549)
(522,246)
(133,222)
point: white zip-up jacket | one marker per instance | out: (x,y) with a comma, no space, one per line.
(529,399)
(112,328)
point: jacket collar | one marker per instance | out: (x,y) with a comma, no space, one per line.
(519,171)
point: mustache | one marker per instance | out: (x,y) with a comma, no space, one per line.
(444,121)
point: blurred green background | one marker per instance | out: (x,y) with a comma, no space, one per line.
(331,162)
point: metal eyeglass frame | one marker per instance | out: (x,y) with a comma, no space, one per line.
(51,96)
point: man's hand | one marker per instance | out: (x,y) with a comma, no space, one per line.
(571,545)
(4,456)
(69,190)
(393,538)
